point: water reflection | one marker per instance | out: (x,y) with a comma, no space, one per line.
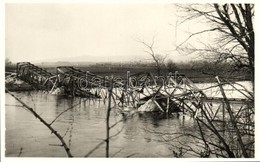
(84,127)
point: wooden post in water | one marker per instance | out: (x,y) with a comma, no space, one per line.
(175,76)
(224,122)
(167,107)
(108,116)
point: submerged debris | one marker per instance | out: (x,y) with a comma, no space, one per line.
(58,91)
(142,91)
(15,84)
(159,103)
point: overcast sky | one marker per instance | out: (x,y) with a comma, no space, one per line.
(49,31)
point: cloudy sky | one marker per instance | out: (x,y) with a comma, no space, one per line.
(52,31)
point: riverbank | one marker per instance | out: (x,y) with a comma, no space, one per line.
(196,75)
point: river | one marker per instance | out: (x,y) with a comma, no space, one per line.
(84,127)
(27,136)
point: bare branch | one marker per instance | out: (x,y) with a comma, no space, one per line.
(43,122)
(72,107)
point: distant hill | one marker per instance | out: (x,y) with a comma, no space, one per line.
(90,59)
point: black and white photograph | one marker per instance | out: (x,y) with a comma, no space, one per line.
(129,80)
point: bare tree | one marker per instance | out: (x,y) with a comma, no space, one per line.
(171,66)
(221,130)
(7,62)
(159,59)
(232,24)
(9,66)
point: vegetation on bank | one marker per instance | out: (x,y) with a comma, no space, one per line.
(197,71)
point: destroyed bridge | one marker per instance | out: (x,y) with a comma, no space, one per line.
(171,93)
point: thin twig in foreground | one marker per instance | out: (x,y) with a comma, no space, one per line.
(44,122)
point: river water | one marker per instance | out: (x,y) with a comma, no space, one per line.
(27,136)
(84,127)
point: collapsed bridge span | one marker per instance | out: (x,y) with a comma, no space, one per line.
(38,77)
(174,92)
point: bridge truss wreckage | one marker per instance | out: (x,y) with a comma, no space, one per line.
(168,95)
(171,93)
(38,77)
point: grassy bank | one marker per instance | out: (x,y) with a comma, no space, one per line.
(196,74)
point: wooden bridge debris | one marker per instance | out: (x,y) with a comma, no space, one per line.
(34,75)
(167,94)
